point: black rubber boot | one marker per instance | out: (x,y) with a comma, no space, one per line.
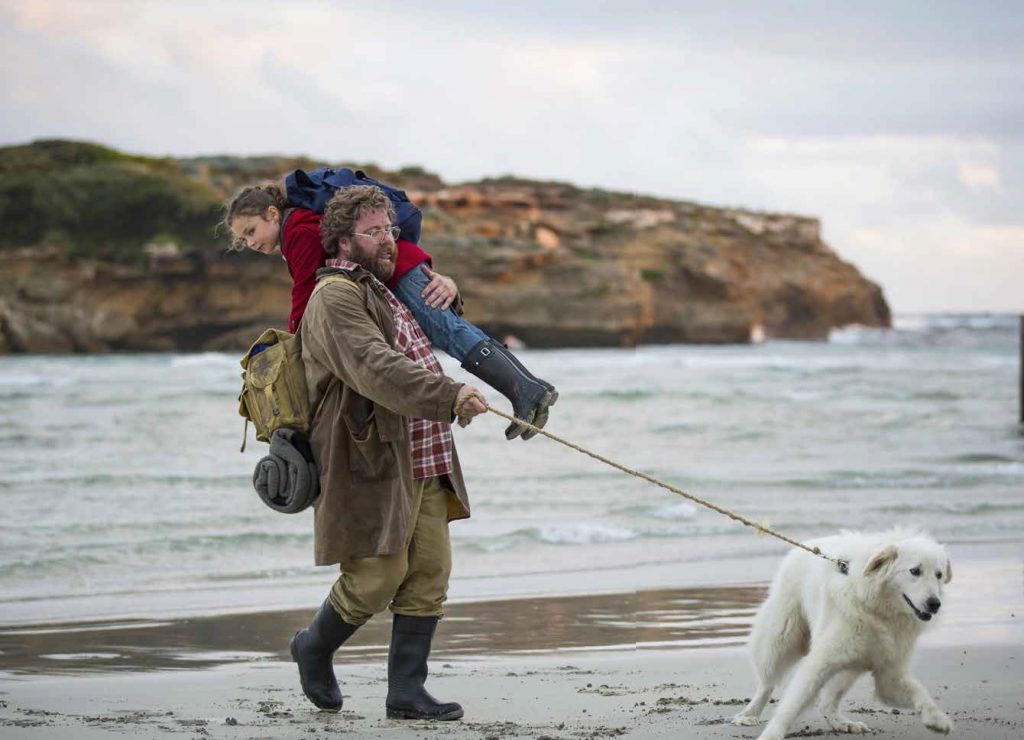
(313,649)
(531,397)
(541,416)
(407,672)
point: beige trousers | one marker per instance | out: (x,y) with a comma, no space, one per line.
(413,582)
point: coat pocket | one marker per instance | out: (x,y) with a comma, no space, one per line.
(370,458)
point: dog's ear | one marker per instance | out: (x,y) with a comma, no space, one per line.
(880,560)
(949,571)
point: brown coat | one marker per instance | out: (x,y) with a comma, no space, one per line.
(359,437)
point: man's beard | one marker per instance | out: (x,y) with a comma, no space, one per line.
(380,270)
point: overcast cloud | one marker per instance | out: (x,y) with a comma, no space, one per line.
(900,125)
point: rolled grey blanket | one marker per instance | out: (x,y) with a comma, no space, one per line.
(287,479)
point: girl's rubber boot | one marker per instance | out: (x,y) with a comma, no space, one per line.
(541,416)
(531,397)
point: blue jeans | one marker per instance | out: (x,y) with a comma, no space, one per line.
(446,330)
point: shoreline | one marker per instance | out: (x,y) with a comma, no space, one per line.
(715,606)
(471,582)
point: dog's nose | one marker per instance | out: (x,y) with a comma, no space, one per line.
(933,605)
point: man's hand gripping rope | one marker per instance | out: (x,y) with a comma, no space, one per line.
(469,402)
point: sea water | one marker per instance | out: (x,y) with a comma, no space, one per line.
(124,493)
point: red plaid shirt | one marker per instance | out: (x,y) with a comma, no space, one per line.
(431,440)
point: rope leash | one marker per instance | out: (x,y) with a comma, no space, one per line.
(842,565)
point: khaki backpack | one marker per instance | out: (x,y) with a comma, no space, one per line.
(274,392)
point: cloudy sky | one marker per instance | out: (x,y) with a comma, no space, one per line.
(899,124)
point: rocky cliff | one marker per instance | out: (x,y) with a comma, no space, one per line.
(549,263)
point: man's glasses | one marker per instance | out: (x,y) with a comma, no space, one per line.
(379,235)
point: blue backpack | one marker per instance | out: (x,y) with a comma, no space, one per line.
(312,190)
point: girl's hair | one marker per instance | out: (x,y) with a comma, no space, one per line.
(344,209)
(252,200)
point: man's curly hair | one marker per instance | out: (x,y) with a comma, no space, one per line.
(345,208)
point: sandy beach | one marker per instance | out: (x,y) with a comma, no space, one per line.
(647,664)
(644,694)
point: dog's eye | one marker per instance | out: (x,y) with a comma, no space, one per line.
(938,574)
(915,571)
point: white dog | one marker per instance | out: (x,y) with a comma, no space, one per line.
(845,625)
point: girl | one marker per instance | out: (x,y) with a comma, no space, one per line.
(260,218)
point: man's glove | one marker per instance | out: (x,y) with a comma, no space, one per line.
(469,402)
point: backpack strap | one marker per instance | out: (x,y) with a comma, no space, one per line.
(334,379)
(327,281)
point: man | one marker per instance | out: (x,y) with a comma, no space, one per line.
(389,474)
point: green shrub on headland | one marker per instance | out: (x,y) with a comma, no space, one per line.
(99,203)
(95,202)
(45,155)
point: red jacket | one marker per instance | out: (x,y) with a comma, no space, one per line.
(407,256)
(304,252)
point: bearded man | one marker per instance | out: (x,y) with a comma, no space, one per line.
(389,474)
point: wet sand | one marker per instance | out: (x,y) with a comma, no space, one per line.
(681,618)
(648,664)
